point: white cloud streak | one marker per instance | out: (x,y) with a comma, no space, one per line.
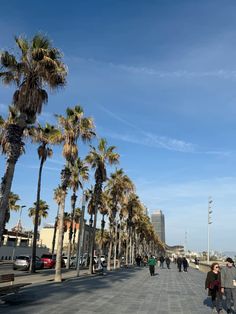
(142,70)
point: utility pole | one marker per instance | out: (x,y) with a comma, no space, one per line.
(209,222)
(186,242)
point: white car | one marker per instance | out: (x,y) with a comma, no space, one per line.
(72,259)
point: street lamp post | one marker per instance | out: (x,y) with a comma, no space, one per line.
(209,222)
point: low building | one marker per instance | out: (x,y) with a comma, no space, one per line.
(47,233)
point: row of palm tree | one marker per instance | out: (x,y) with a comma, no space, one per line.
(39,66)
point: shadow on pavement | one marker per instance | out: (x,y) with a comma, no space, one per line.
(36,295)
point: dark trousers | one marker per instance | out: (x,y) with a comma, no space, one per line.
(230,294)
(216,298)
(152,270)
(179,267)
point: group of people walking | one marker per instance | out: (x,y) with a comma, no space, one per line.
(219,282)
(153,261)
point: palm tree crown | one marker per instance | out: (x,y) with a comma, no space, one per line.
(43,211)
(39,65)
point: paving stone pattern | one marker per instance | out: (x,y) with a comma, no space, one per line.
(130,291)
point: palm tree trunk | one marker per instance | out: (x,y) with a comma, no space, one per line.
(93,239)
(73,200)
(115,244)
(60,241)
(12,136)
(36,218)
(109,254)
(119,248)
(127,252)
(55,232)
(4,194)
(130,248)
(80,243)
(102,233)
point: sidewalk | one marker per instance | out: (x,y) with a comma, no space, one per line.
(48,276)
(130,291)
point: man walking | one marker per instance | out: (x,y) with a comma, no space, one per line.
(228,283)
(151,264)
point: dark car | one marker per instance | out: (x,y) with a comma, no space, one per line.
(23,262)
(49,260)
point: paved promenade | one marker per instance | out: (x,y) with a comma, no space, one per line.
(124,291)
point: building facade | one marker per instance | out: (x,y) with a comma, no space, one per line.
(158,222)
(46,237)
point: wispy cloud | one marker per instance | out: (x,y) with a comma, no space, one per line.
(146,138)
(152,71)
(152,140)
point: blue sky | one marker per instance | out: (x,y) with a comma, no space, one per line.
(159,78)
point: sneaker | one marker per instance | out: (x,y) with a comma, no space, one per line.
(214,310)
(220,311)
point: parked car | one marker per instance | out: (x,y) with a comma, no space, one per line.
(23,262)
(103,260)
(72,260)
(49,260)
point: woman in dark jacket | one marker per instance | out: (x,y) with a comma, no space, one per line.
(213,284)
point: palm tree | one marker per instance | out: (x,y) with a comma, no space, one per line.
(43,211)
(13,199)
(58,195)
(73,127)
(77,216)
(45,136)
(119,186)
(65,177)
(132,204)
(38,66)
(79,173)
(104,210)
(98,159)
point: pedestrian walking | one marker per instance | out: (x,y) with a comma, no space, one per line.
(213,284)
(168,262)
(185,264)
(145,260)
(100,266)
(179,263)
(138,260)
(196,261)
(151,264)
(162,259)
(228,283)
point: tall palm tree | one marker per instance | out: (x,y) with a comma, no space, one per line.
(45,136)
(73,127)
(133,203)
(79,173)
(58,197)
(43,211)
(98,159)
(38,65)
(104,210)
(65,177)
(119,186)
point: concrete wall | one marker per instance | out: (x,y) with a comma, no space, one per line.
(7,252)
